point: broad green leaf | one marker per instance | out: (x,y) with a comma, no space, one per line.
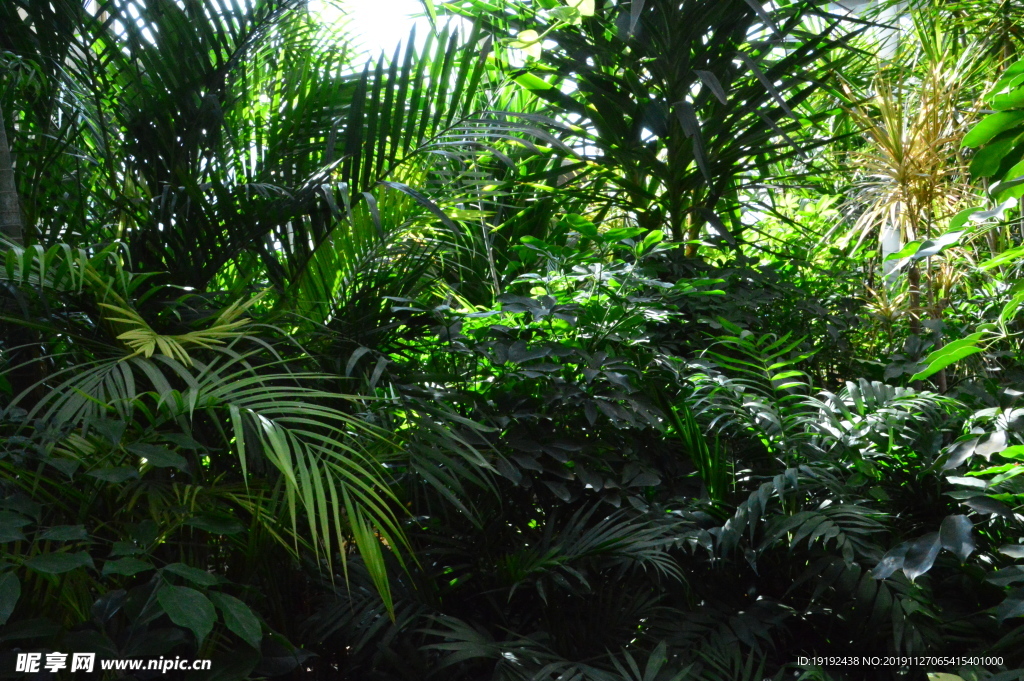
(1014,452)
(937,245)
(1007,576)
(921,555)
(1010,185)
(126,566)
(891,562)
(57,563)
(955,535)
(961,218)
(1013,99)
(989,506)
(579,223)
(960,452)
(125,548)
(1011,607)
(10,592)
(110,429)
(239,618)
(653,239)
(1012,72)
(1012,550)
(905,252)
(10,526)
(948,354)
(194,575)
(987,160)
(188,608)
(1011,308)
(620,233)
(990,126)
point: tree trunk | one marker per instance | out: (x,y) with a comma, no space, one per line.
(10,212)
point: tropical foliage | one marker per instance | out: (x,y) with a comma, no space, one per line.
(589,340)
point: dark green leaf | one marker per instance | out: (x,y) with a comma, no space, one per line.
(126,566)
(113,431)
(1011,607)
(239,618)
(1012,550)
(10,526)
(188,608)
(125,548)
(1007,576)
(990,506)
(57,563)
(959,452)
(10,592)
(194,575)
(921,554)
(955,535)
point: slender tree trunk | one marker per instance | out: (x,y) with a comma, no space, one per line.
(10,212)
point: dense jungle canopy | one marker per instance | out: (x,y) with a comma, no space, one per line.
(573,340)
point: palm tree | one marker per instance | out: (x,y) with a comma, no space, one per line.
(677,103)
(268,152)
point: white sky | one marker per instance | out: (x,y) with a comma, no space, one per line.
(377,24)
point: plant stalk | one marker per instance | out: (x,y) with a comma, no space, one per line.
(10,212)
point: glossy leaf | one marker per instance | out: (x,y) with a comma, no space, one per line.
(955,535)
(921,555)
(992,125)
